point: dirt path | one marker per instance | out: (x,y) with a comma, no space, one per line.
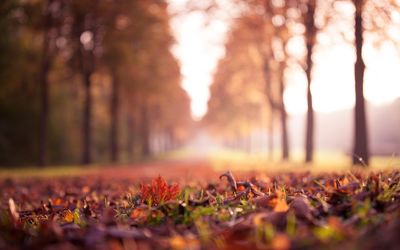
(169,169)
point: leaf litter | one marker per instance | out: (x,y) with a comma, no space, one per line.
(355,210)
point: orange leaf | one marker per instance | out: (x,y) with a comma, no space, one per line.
(281,206)
(68,216)
(281,242)
(57,201)
(140,214)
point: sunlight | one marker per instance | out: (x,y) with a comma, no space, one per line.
(333,85)
(199,48)
(381,83)
(181,124)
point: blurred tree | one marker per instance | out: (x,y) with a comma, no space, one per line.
(237,105)
(137,55)
(18,102)
(373,17)
(276,18)
(44,82)
(120,52)
(49,25)
(361,135)
(269,34)
(263,32)
(85,39)
(310,38)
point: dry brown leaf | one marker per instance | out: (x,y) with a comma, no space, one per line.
(264,201)
(302,208)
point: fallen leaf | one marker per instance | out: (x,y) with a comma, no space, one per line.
(13,209)
(281,205)
(280,242)
(302,208)
(68,216)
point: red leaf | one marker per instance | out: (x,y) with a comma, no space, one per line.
(159,191)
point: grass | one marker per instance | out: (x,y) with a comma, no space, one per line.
(324,161)
(77,170)
(220,160)
(51,171)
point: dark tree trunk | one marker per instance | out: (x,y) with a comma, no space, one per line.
(44,87)
(361,154)
(284,131)
(285,140)
(86,59)
(311,32)
(87,120)
(145,138)
(114,114)
(309,126)
(44,103)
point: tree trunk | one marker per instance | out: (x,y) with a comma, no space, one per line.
(84,22)
(361,154)
(311,32)
(272,106)
(284,131)
(87,118)
(44,88)
(271,136)
(114,114)
(44,103)
(170,139)
(145,130)
(131,136)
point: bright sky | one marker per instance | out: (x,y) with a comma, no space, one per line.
(200,46)
(333,78)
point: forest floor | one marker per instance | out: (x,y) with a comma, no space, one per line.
(197,204)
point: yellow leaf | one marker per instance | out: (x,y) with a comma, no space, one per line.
(68,216)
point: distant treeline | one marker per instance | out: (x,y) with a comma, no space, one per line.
(266,40)
(85,81)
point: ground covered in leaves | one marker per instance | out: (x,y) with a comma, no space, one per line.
(355,210)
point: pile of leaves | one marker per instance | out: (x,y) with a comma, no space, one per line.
(356,210)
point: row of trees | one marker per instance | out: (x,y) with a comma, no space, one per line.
(263,31)
(98,74)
